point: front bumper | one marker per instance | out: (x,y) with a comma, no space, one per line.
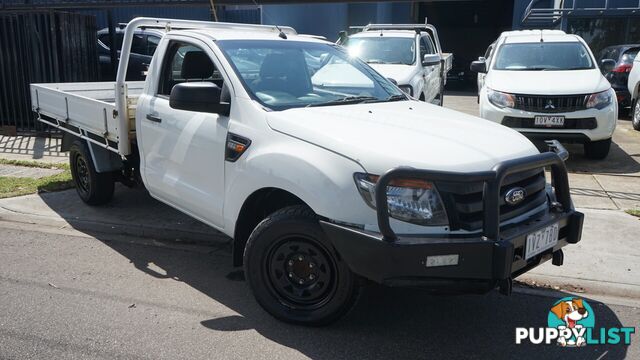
(485,260)
(606,120)
(482,264)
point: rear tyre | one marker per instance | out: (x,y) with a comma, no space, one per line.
(93,188)
(439,100)
(635,115)
(294,272)
(597,150)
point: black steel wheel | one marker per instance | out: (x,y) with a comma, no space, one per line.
(301,273)
(93,188)
(294,271)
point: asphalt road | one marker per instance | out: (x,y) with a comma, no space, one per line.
(66,294)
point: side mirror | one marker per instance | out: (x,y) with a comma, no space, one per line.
(482,58)
(200,96)
(479,67)
(431,59)
(606,65)
(394,81)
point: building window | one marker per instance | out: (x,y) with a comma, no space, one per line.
(601,32)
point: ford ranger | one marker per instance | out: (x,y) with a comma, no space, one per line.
(255,131)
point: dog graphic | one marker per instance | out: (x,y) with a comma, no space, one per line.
(570,312)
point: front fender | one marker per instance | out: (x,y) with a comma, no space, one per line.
(319,177)
(418,87)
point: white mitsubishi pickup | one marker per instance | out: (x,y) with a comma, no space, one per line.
(319,185)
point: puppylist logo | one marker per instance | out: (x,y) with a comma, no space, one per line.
(571,323)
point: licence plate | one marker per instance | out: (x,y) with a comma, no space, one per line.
(541,240)
(548,121)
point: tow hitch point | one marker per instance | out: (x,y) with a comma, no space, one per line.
(558,258)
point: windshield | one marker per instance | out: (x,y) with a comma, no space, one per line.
(291,74)
(543,56)
(384,50)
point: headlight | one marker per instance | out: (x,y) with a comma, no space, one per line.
(599,100)
(407,89)
(411,200)
(501,99)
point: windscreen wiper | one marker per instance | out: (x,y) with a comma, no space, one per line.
(345,101)
(397,97)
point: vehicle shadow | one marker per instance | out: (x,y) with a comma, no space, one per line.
(617,162)
(386,323)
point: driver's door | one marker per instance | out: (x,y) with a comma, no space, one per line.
(431,72)
(183,151)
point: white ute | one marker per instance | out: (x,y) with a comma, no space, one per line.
(319,183)
(547,85)
(410,54)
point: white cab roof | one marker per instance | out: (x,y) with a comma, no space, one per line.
(387,33)
(222,34)
(531,32)
(550,37)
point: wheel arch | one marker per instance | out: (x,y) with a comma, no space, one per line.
(104,160)
(256,208)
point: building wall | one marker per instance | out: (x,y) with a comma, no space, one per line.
(328,19)
(125,14)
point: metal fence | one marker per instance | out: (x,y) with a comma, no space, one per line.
(41,46)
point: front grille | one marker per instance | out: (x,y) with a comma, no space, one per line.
(551,104)
(464,204)
(528,123)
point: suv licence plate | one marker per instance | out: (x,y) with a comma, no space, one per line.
(548,121)
(541,240)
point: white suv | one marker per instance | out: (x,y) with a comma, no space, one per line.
(547,85)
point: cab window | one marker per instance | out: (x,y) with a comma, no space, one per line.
(426,47)
(185,62)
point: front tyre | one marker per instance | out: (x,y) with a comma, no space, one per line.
(94,188)
(294,272)
(597,150)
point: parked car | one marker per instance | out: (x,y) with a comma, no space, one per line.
(490,49)
(410,54)
(633,85)
(547,85)
(319,182)
(144,44)
(623,55)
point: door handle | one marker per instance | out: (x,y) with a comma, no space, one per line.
(153,118)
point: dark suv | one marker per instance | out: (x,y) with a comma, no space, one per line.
(623,55)
(144,45)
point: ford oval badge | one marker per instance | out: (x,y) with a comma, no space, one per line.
(515,196)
